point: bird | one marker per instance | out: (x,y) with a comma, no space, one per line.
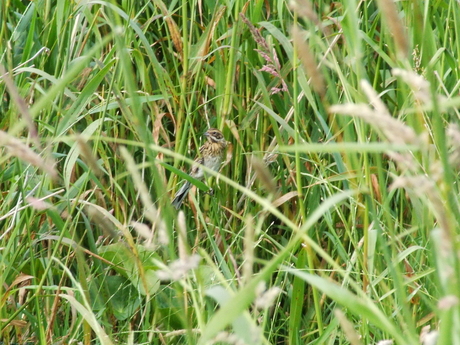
(211,154)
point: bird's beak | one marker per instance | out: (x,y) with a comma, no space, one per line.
(206,134)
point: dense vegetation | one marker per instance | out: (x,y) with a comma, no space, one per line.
(335,219)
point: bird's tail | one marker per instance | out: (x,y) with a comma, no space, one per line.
(181,194)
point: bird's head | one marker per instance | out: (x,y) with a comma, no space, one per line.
(215,136)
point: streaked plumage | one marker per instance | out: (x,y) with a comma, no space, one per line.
(211,156)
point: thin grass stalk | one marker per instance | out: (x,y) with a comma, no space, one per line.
(226,105)
(299,184)
(182,116)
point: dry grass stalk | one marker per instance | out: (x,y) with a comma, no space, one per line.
(150,211)
(308,61)
(305,9)
(21,105)
(20,150)
(248,251)
(263,174)
(178,269)
(184,252)
(173,28)
(347,327)
(88,155)
(394,130)
(266,298)
(453,135)
(395,25)
(419,85)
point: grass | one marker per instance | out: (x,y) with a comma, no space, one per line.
(334,222)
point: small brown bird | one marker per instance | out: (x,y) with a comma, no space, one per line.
(211,156)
